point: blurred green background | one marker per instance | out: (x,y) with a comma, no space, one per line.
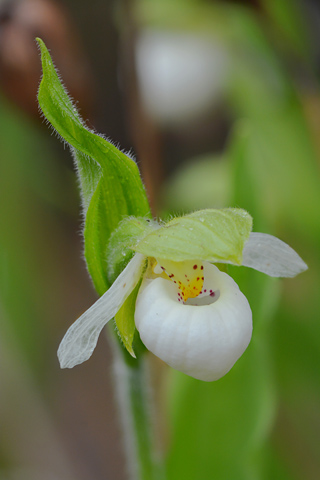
(220,103)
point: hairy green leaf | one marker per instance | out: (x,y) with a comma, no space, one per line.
(110,182)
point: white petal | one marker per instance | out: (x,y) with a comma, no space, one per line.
(270,255)
(202,341)
(81,338)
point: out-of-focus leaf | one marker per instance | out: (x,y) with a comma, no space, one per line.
(275,163)
(289,19)
(245,181)
(279,152)
(33,185)
(110,181)
(204,182)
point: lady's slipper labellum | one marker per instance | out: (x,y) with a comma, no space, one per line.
(203,336)
(188,312)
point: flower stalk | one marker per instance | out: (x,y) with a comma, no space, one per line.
(131,378)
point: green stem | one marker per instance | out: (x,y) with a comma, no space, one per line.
(140,410)
(133,392)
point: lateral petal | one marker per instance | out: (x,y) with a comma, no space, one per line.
(81,338)
(270,255)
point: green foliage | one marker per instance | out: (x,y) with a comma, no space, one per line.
(290,24)
(206,176)
(110,181)
(212,235)
(25,182)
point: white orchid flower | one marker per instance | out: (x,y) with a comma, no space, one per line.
(188,313)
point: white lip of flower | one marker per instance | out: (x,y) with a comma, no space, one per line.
(201,336)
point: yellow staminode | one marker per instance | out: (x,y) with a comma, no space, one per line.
(187,275)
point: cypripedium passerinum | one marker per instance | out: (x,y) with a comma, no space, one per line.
(188,313)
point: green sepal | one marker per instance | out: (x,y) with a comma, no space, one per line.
(110,182)
(210,235)
(119,249)
(125,320)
